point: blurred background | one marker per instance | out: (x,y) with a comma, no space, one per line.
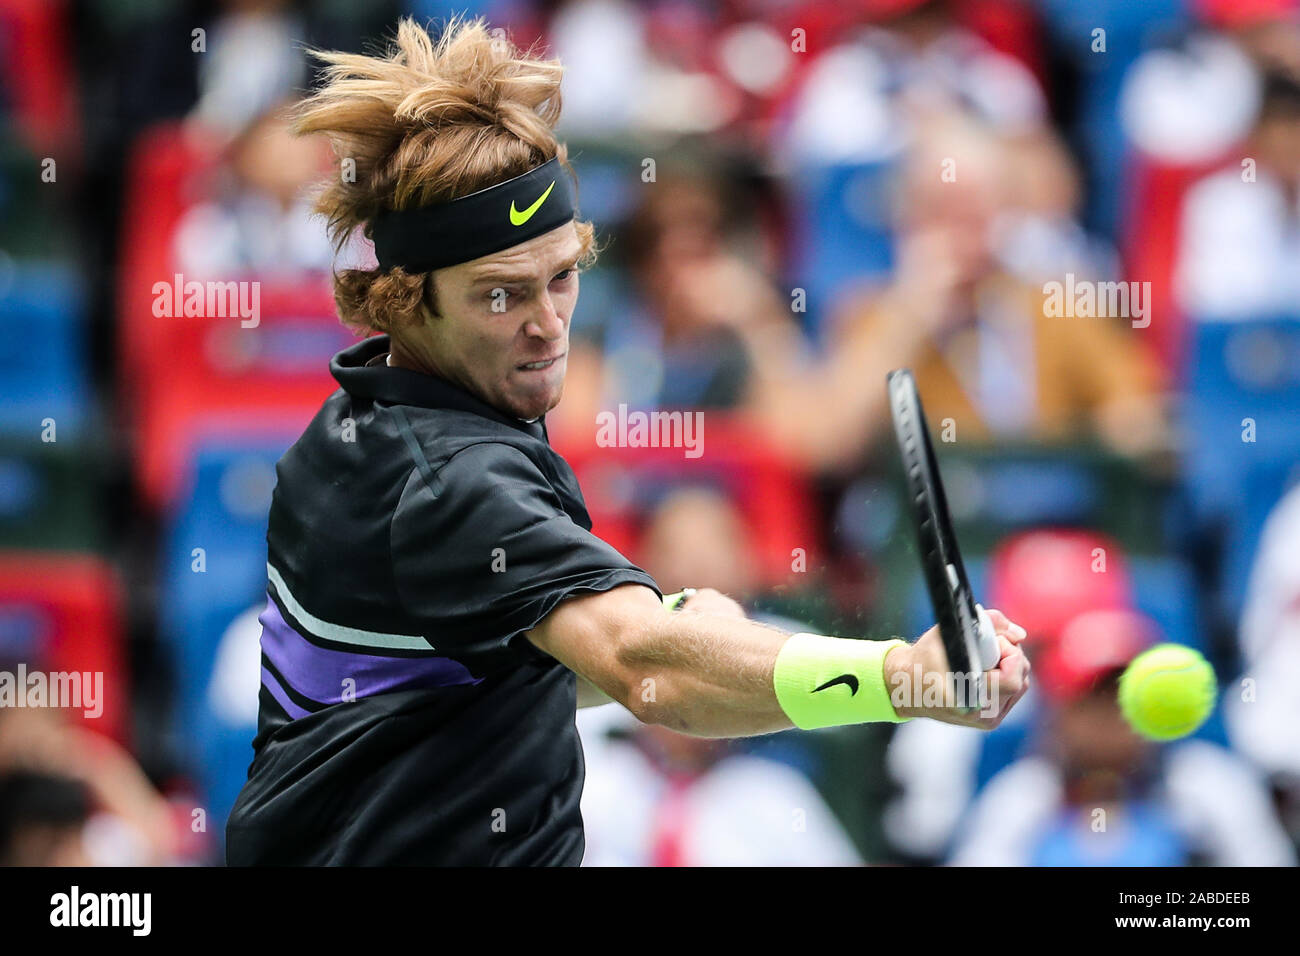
(794,196)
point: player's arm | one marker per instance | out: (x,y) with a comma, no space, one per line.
(719,675)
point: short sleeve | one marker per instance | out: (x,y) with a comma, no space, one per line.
(483,550)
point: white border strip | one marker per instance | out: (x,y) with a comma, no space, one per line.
(338,632)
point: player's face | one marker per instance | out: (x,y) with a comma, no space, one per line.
(503,328)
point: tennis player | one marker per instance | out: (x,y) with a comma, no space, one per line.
(437,605)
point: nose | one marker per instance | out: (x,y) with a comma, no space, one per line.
(545,322)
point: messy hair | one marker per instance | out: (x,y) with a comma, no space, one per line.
(426,123)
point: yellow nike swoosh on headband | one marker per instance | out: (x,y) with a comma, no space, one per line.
(518,218)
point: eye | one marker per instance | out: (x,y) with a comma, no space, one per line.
(561,276)
(499,298)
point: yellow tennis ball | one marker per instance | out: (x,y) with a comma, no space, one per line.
(1167,692)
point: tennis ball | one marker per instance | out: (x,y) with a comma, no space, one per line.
(1167,692)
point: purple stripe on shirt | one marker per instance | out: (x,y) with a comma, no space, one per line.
(319,672)
(273,685)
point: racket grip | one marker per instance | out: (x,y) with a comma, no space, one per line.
(988,640)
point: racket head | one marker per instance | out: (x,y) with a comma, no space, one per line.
(950,593)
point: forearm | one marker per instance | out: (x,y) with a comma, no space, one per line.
(707,675)
(713,673)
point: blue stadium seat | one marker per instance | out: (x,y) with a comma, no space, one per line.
(224,514)
(1130,28)
(42,350)
(1239,371)
(842,233)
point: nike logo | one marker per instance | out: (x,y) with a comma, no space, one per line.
(518,218)
(848,680)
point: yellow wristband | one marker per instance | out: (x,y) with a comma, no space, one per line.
(828,681)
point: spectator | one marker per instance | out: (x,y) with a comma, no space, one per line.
(1239,252)
(908,60)
(704,314)
(259,219)
(130,824)
(1096,794)
(986,353)
(697,534)
(1191,102)
(1044,578)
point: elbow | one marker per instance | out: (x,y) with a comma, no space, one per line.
(644,681)
(648,704)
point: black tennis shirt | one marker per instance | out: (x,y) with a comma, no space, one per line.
(415,534)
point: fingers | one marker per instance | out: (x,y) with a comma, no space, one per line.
(1004,626)
(1011,677)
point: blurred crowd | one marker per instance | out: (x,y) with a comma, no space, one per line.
(1077,222)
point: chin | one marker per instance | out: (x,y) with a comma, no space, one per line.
(537,402)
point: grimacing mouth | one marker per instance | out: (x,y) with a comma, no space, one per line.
(542,363)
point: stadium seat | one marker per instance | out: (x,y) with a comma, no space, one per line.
(841,233)
(37,77)
(1239,371)
(42,351)
(162,169)
(218,371)
(212,575)
(62,612)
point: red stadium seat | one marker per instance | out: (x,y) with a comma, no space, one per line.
(772,494)
(183,375)
(1154,218)
(214,373)
(162,176)
(63,613)
(37,77)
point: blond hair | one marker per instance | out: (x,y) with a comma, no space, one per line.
(426,123)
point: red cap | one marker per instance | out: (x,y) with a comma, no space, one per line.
(1090,646)
(1042,579)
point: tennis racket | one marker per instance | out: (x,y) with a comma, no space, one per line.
(968,635)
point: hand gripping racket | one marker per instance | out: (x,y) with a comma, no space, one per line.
(967,631)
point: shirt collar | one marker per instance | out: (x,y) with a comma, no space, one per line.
(403,386)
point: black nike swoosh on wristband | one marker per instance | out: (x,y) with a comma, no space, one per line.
(846,679)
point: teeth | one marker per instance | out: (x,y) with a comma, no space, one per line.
(539,364)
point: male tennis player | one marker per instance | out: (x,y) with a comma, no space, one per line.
(437,606)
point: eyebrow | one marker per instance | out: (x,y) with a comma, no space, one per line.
(520,276)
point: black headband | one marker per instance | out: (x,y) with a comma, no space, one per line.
(489,220)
